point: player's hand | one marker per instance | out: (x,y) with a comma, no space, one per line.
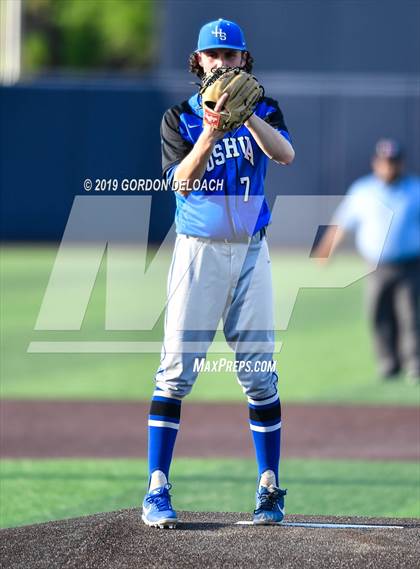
(213,132)
(221,102)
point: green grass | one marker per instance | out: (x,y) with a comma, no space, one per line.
(326,354)
(36,491)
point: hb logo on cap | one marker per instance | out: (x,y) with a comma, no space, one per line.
(221,34)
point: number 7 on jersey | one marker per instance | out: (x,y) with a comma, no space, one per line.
(245,180)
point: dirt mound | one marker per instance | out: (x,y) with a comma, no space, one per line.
(119,540)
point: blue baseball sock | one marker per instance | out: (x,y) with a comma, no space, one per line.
(265,424)
(164,418)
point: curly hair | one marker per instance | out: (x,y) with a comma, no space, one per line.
(195,68)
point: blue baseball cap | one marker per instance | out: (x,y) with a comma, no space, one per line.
(221,33)
(389,149)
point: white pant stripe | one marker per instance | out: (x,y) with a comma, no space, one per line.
(265,429)
(153,423)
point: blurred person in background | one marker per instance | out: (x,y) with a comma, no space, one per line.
(393,289)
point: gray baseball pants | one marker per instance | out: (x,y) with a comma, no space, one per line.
(210,281)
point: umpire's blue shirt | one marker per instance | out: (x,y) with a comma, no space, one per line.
(238,208)
(362,212)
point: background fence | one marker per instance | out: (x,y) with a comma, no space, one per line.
(344,72)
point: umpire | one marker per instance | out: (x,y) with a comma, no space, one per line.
(393,289)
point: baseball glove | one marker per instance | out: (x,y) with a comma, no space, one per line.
(244,94)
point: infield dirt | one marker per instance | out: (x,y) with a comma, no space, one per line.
(212,540)
(48,429)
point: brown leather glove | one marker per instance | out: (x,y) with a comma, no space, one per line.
(244,94)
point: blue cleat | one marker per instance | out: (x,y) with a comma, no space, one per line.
(270,506)
(157,508)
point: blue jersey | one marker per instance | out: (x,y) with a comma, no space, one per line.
(235,207)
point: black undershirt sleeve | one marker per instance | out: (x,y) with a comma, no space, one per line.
(275,118)
(174,146)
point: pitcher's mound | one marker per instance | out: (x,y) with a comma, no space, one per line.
(210,540)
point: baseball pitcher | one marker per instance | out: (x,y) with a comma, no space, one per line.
(215,150)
